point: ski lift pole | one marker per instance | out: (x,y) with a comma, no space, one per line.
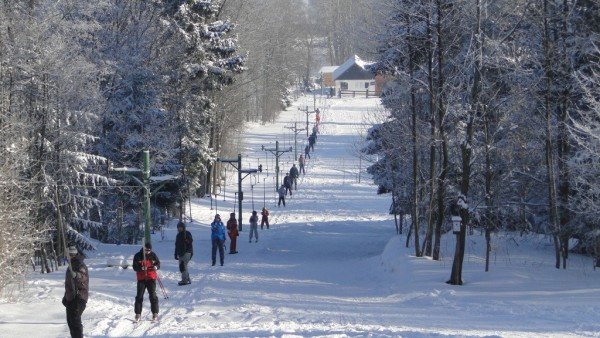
(264,192)
(252,192)
(234,201)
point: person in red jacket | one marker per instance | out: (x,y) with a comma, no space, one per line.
(232,231)
(145,264)
(265,218)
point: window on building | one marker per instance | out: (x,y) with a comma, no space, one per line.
(366,85)
(344,85)
(372,83)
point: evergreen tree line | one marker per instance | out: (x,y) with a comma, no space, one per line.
(88,86)
(492,115)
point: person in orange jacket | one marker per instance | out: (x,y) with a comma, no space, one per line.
(232,232)
(145,264)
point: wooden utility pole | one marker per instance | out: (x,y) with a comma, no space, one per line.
(296,131)
(275,151)
(237,164)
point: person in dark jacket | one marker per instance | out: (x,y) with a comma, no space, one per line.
(312,139)
(217,236)
(287,183)
(76,291)
(145,264)
(232,231)
(294,174)
(307,151)
(183,252)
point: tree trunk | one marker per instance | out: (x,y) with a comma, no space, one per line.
(415,140)
(552,200)
(427,245)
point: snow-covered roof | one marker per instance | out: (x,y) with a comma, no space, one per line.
(328,69)
(353,61)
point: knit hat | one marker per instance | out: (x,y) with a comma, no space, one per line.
(73,250)
(148,245)
(181,225)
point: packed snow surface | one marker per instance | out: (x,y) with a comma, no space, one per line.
(331,264)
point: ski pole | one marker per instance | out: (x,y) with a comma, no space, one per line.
(162,287)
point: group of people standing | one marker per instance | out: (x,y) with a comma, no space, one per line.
(146,262)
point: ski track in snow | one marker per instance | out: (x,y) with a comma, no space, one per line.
(329,266)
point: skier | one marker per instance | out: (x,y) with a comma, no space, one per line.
(307,151)
(312,139)
(281,192)
(76,291)
(301,164)
(145,264)
(217,237)
(265,218)
(183,252)
(232,231)
(294,176)
(254,226)
(287,183)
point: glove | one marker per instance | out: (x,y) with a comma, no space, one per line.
(176,257)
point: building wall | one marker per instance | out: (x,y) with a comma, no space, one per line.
(356,85)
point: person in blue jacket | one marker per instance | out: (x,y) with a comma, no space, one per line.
(217,236)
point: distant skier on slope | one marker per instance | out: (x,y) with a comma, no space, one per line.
(281,192)
(254,225)
(265,218)
(294,176)
(232,231)
(287,183)
(301,164)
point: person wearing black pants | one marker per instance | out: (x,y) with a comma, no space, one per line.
(145,264)
(76,292)
(217,237)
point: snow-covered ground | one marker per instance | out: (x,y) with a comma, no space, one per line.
(331,265)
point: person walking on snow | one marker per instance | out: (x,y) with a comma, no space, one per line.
(232,231)
(294,175)
(76,291)
(301,164)
(312,139)
(254,225)
(287,182)
(217,237)
(183,252)
(307,151)
(265,218)
(281,192)
(145,264)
